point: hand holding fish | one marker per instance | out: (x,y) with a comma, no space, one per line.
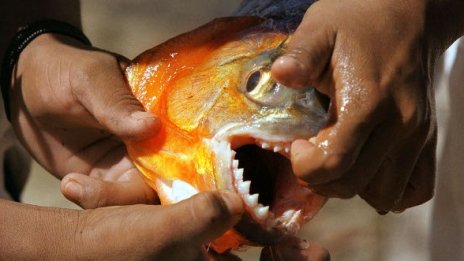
(71,107)
(374,60)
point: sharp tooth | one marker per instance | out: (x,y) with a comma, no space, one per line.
(296,216)
(262,212)
(288,214)
(252,200)
(277,148)
(238,174)
(265,145)
(244,187)
(287,149)
(235,164)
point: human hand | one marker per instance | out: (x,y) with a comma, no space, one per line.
(172,232)
(71,108)
(374,59)
(179,232)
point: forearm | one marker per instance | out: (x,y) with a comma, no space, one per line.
(18,13)
(28,232)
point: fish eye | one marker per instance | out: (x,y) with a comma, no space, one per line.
(260,88)
(253,81)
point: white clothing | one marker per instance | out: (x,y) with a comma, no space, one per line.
(447,231)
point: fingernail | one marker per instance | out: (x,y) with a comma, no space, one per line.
(291,62)
(143,115)
(312,140)
(233,202)
(382,212)
(304,244)
(291,72)
(73,189)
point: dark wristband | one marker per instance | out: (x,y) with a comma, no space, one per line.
(22,38)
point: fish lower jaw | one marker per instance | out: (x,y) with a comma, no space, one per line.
(257,167)
(289,222)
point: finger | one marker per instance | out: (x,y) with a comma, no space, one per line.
(90,192)
(388,185)
(367,165)
(102,89)
(204,217)
(333,152)
(420,187)
(295,251)
(357,108)
(308,53)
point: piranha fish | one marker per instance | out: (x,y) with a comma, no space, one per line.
(227,125)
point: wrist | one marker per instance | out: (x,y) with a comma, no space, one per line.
(29,232)
(21,40)
(38,50)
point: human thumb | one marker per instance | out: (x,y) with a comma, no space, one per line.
(91,192)
(205,216)
(108,98)
(308,53)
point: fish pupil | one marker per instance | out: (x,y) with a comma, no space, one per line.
(253,81)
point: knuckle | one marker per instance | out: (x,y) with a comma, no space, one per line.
(93,197)
(210,207)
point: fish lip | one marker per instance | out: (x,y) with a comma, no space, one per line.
(267,228)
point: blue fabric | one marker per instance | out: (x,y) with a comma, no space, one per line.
(286,14)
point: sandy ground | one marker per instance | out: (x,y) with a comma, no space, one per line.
(348,228)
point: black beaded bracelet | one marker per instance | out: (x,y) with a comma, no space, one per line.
(22,38)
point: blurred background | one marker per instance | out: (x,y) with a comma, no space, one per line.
(348,228)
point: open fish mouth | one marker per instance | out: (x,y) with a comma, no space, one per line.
(258,168)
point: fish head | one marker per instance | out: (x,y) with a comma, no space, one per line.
(227,125)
